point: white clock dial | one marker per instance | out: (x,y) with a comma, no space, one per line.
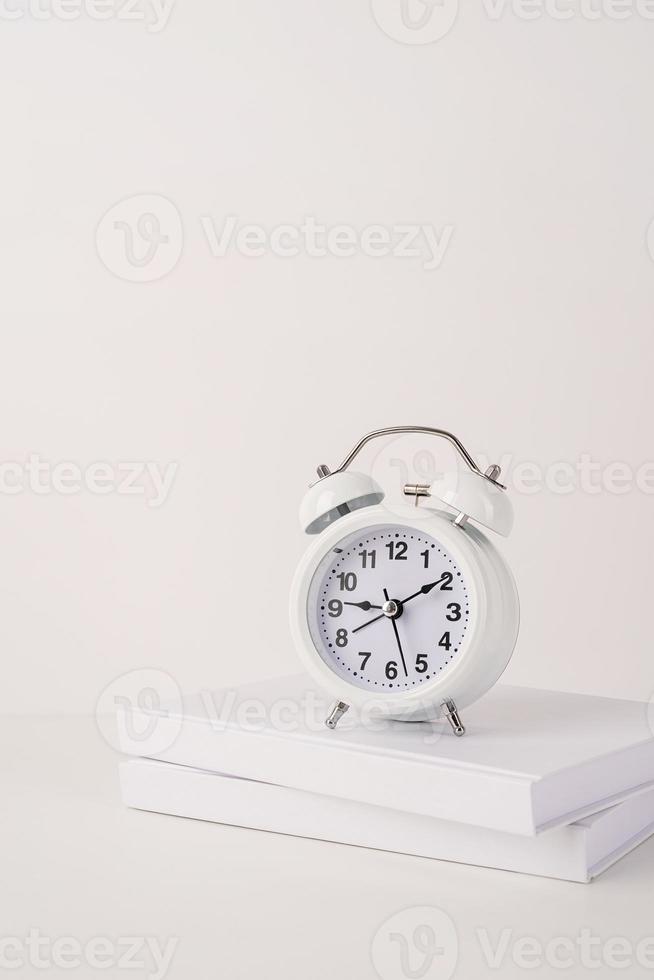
(388,608)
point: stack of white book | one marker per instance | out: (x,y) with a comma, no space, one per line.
(543,783)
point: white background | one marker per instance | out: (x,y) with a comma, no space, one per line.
(532,139)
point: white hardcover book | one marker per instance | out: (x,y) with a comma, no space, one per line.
(578,852)
(531,759)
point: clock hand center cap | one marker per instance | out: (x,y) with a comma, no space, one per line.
(392,608)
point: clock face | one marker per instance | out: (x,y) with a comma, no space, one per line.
(388,608)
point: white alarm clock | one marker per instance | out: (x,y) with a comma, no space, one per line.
(413,614)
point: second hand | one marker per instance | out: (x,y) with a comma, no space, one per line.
(397,637)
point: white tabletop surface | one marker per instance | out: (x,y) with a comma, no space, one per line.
(76,864)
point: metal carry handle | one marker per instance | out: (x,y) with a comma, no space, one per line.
(424,430)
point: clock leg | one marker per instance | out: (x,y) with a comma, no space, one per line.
(338,710)
(451,712)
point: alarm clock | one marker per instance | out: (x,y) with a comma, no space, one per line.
(412,614)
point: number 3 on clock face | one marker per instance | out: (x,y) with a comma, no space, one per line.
(388,608)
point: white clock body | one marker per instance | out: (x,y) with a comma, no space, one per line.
(395,612)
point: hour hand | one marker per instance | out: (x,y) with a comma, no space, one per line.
(366,606)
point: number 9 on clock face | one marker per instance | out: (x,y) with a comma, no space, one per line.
(389,609)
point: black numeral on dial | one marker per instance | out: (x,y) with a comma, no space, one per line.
(368,558)
(391,670)
(334,607)
(445,641)
(454,612)
(341,638)
(421,663)
(397,550)
(365,657)
(347,581)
